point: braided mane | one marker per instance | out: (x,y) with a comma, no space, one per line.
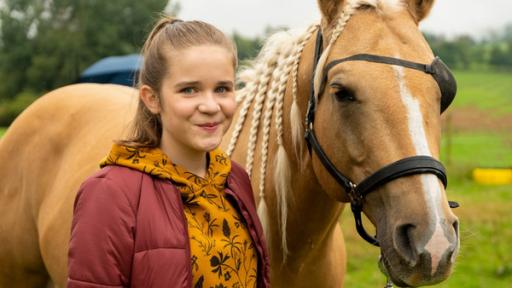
(265,84)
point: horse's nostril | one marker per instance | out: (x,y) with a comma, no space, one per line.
(453,253)
(404,243)
(456,228)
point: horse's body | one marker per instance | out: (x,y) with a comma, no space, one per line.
(58,141)
(45,155)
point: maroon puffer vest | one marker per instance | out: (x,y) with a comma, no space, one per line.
(129,230)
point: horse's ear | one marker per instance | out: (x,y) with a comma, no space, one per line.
(329,10)
(420,8)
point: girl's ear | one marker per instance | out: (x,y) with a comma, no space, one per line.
(150,99)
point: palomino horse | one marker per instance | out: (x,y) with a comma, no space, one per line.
(370,108)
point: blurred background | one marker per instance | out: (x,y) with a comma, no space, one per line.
(46,44)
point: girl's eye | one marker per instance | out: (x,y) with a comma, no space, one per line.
(344,94)
(222,89)
(188,90)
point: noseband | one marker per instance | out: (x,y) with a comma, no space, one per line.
(420,164)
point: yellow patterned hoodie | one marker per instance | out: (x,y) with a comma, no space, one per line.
(222,251)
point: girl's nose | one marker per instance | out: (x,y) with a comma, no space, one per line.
(209,105)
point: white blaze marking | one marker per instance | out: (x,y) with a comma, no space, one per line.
(438,243)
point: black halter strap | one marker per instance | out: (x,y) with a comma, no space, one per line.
(439,71)
(420,164)
(381,59)
(310,114)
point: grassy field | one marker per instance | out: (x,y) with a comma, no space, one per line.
(485,258)
(485,90)
(2,131)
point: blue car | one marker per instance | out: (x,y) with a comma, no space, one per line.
(121,70)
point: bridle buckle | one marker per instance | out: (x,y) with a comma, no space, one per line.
(356,199)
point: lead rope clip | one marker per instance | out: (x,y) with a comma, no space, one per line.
(389,284)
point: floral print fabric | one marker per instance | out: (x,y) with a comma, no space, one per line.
(222,251)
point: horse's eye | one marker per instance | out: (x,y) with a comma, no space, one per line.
(344,94)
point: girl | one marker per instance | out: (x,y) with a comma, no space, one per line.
(169,208)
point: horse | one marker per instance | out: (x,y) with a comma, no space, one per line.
(348,111)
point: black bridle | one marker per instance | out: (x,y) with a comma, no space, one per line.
(404,167)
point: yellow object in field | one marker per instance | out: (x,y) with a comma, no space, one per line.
(493,176)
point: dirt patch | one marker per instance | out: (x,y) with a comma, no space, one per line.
(469,119)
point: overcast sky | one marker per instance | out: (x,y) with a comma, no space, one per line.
(250,17)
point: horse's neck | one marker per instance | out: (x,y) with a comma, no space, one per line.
(308,213)
(311,214)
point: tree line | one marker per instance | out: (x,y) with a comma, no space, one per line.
(46,44)
(493,52)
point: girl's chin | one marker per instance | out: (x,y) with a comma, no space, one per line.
(209,145)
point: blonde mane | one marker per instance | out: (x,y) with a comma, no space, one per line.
(265,85)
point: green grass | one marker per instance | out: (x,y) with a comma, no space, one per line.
(470,150)
(489,149)
(485,258)
(2,131)
(484,90)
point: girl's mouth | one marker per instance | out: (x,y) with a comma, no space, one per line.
(209,127)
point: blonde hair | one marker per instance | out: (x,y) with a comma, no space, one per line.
(168,34)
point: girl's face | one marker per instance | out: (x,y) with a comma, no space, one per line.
(197,98)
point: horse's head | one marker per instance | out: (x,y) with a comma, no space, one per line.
(372,111)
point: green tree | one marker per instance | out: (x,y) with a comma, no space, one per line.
(460,52)
(501,56)
(247,48)
(45,44)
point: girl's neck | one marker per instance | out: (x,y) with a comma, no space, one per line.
(192,160)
